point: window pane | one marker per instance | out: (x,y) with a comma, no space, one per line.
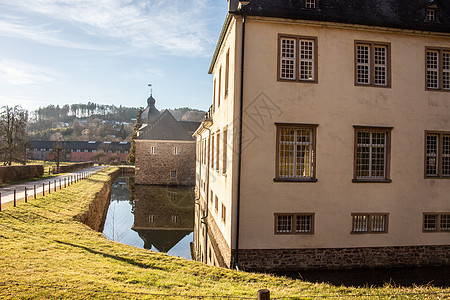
(445,222)
(433,69)
(360,223)
(306,60)
(371,154)
(430,222)
(288,50)
(432,154)
(363,64)
(304,223)
(446,155)
(379,223)
(380,65)
(446,70)
(295,152)
(284,223)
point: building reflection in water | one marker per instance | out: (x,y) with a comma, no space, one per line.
(158,218)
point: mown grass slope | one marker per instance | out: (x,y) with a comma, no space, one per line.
(46,253)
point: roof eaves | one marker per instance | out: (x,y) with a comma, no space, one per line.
(219,43)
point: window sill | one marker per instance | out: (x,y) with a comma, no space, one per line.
(371,180)
(368,232)
(437,177)
(295,180)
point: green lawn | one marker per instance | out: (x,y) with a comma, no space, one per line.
(46,253)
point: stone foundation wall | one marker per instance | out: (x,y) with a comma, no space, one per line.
(219,244)
(95,215)
(347,258)
(156,168)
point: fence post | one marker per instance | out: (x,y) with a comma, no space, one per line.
(264,294)
(0,201)
(49,188)
(15,198)
(43,189)
(26,200)
(54,185)
(34,191)
(60,183)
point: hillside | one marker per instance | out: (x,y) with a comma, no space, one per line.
(92,122)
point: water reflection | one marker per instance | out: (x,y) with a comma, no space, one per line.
(152,217)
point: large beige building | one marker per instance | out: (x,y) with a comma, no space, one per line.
(327,144)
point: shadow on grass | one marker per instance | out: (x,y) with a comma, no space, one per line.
(404,277)
(115,257)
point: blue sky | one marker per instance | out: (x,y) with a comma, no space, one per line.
(107,51)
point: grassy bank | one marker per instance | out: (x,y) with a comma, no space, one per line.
(45,253)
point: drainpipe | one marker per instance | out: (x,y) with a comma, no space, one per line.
(198,204)
(241,114)
(205,218)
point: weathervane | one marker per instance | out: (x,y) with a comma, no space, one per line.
(151,89)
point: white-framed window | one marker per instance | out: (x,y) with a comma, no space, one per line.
(438,69)
(296,223)
(431,15)
(151,219)
(153,150)
(175,151)
(437,154)
(173,174)
(296,151)
(370,222)
(435,222)
(372,152)
(311,3)
(175,219)
(372,64)
(297,58)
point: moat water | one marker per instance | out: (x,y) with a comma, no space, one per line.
(157,218)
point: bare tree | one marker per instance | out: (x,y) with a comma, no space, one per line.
(13,134)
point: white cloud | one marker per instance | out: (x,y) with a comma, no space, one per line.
(19,73)
(175,27)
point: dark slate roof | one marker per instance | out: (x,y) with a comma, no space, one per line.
(150,113)
(80,145)
(166,127)
(403,14)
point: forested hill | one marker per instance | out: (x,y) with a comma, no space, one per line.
(92,121)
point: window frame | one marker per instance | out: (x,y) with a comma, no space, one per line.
(440,71)
(224,150)
(439,155)
(369,223)
(372,45)
(294,225)
(311,4)
(297,38)
(313,129)
(438,222)
(387,168)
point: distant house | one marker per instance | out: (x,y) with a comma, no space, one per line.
(78,151)
(165,149)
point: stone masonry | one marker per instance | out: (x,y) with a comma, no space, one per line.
(158,168)
(347,258)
